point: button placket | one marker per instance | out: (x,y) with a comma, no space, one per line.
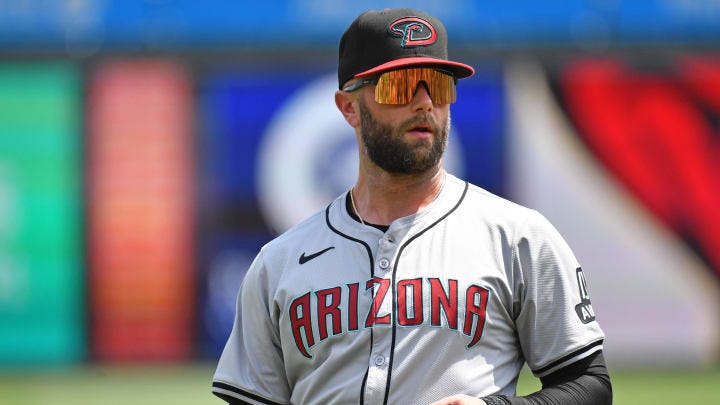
(386,251)
(378,362)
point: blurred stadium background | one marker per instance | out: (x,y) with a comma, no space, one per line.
(148,148)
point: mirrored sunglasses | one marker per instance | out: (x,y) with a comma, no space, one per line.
(399,86)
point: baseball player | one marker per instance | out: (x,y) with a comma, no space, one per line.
(414,287)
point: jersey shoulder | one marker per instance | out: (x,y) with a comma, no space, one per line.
(302,230)
(275,252)
(483,209)
(525,229)
(495,209)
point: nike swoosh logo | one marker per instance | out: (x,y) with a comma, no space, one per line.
(304,259)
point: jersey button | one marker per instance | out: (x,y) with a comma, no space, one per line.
(386,240)
(379,361)
(383,263)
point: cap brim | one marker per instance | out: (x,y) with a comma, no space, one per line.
(460,70)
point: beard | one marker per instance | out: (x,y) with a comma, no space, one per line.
(386,147)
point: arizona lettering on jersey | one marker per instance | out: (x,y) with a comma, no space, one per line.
(454,299)
(319,315)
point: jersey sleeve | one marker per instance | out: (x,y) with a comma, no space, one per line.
(556,322)
(251,365)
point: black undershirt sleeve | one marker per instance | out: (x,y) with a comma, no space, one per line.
(585,382)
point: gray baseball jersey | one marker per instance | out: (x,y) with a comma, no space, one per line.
(450,300)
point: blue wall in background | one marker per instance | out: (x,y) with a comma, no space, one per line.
(59,24)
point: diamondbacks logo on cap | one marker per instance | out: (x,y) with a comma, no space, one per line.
(414,31)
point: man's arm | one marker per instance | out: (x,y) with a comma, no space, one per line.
(251,366)
(232,401)
(584,382)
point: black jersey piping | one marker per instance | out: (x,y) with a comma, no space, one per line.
(367,247)
(254,397)
(569,356)
(397,261)
(372,274)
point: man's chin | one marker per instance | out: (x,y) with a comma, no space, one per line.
(415,166)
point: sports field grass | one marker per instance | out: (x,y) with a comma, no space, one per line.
(179,385)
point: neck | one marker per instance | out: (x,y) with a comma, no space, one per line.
(381,197)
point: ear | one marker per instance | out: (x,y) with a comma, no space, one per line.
(348,106)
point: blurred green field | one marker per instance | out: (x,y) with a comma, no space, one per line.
(179,385)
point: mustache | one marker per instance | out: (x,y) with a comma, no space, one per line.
(421,119)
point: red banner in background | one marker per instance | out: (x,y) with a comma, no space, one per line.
(657,132)
(141,252)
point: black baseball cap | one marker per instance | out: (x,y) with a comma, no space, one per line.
(389,39)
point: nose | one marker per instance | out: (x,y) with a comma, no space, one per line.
(421,100)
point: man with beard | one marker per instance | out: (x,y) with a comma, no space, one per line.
(414,287)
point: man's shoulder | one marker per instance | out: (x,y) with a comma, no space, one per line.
(492,205)
(493,210)
(282,250)
(299,232)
